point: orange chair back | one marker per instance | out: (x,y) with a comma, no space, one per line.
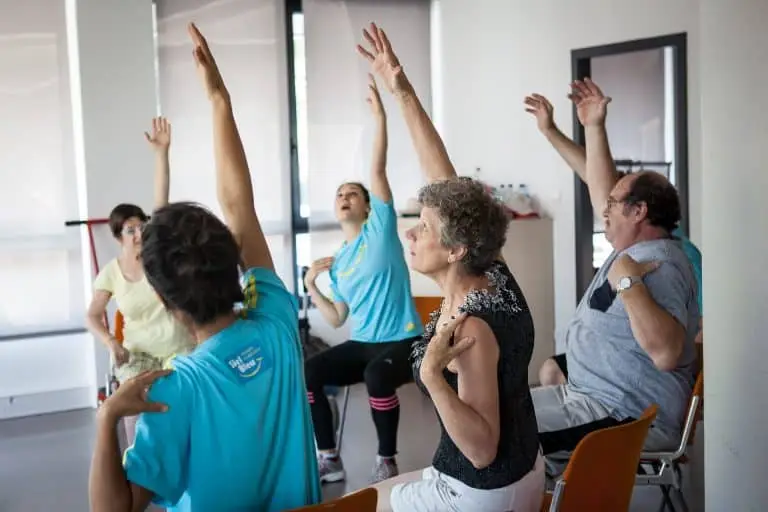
(364,500)
(425,306)
(601,474)
(119,324)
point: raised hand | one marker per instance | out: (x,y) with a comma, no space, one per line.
(383,60)
(317,267)
(374,98)
(591,103)
(206,66)
(160,138)
(542,110)
(440,351)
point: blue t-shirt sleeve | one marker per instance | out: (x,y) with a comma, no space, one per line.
(158,458)
(694,256)
(266,295)
(382,218)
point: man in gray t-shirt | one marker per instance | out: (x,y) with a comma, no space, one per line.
(631,341)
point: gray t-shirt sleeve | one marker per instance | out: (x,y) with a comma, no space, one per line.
(670,290)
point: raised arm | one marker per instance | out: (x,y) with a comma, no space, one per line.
(233,179)
(591,108)
(379,182)
(433,157)
(160,141)
(573,154)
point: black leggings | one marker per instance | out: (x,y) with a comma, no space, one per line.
(383,366)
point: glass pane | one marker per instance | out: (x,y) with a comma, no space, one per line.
(300,89)
(602,249)
(246,37)
(38,189)
(41,279)
(41,290)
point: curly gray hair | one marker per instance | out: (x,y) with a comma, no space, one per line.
(469,217)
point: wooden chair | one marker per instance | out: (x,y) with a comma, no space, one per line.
(119,325)
(664,469)
(601,473)
(364,500)
(425,306)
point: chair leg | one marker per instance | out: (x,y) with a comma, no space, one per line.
(681,500)
(342,419)
(666,501)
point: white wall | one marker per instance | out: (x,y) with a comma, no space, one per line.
(734,134)
(497,51)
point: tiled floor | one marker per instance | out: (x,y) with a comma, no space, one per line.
(44,460)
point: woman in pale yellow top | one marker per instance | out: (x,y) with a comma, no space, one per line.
(151,335)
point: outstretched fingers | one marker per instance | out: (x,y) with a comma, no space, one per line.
(198,38)
(372,41)
(592,87)
(365,53)
(385,45)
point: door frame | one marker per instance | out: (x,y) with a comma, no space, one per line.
(581,67)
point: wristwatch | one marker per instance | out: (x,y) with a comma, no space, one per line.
(626,282)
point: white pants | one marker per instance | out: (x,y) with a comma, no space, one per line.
(438,492)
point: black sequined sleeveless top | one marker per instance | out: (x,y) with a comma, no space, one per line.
(504,309)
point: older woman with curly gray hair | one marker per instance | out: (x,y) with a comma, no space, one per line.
(474,356)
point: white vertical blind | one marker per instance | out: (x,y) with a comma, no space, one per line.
(248,39)
(41,282)
(340,129)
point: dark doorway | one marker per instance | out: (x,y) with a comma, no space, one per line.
(664,56)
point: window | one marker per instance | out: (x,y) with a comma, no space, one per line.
(40,264)
(248,39)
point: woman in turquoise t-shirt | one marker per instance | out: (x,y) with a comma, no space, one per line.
(370,283)
(228,429)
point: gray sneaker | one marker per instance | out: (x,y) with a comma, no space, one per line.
(384,469)
(331,470)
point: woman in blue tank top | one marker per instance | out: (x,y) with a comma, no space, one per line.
(370,286)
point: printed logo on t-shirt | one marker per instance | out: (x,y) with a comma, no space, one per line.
(251,297)
(248,363)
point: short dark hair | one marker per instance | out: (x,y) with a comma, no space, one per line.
(469,217)
(659,195)
(192,260)
(363,190)
(122,213)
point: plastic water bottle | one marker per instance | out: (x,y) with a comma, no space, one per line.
(523,189)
